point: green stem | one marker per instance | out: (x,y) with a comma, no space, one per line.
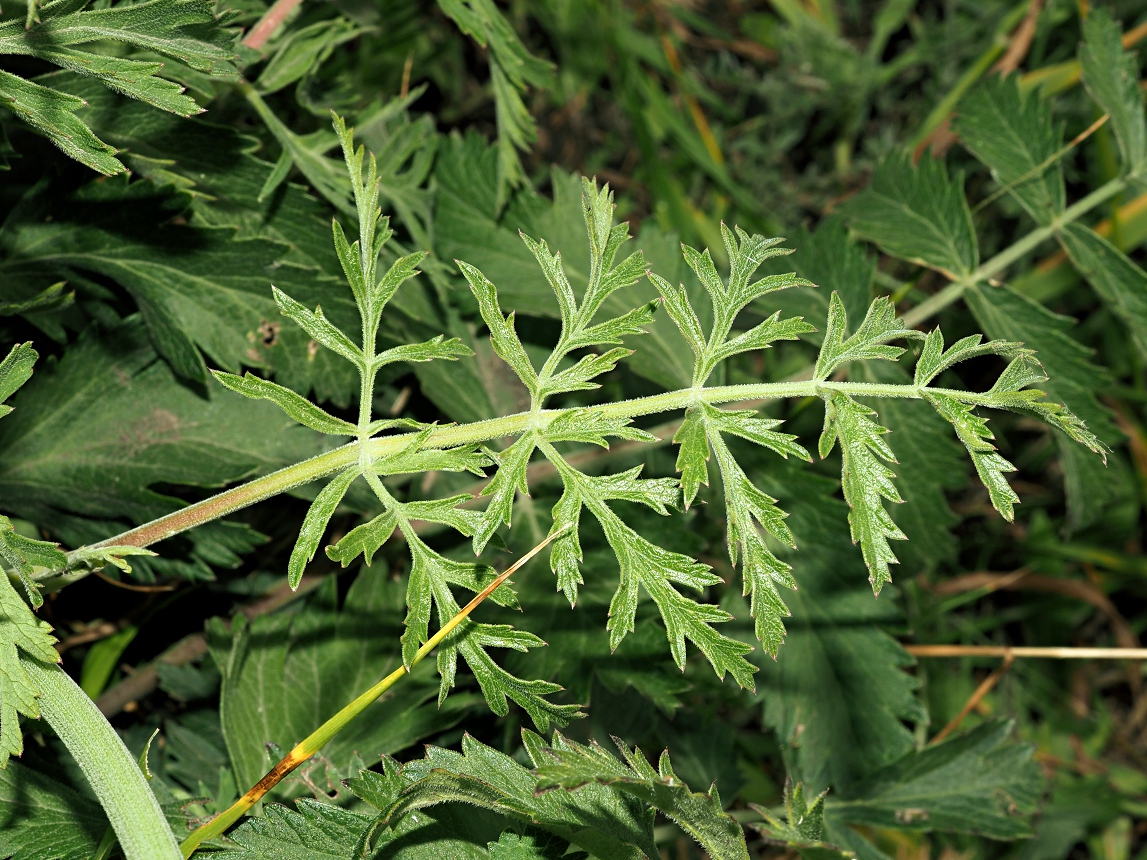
(112,772)
(450,436)
(1011,254)
(977,70)
(327,731)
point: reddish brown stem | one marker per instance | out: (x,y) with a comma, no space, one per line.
(272,19)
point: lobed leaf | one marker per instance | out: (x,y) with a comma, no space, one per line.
(318,327)
(15,370)
(934,359)
(865,479)
(502,335)
(867,343)
(973,431)
(509,480)
(572,765)
(21,633)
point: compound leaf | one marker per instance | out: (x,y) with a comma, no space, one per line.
(866,481)
(315,523)
(867,343)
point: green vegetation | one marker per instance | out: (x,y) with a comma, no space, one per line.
(253,471)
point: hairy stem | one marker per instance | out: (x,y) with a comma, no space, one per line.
(327,731)
(286,479)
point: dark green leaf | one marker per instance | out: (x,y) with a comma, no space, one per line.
(976,783)
(1112,77)
(1013,134)
(917,213)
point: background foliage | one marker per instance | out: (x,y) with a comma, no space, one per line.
(881,138)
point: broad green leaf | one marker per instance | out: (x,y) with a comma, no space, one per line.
(334,653)
(1111,76)
(41,817)
(572,765)
(976,783)
(295,405)
(1073,381)
(917,213)
(198,288)
(866,481)
(480,776)
(869,342)
(82,481)
(213,165)
(512,846)
(835,650)
(312,831)
(317,831)
(1119,281)
(185,30)
(315,523)
(1013,134)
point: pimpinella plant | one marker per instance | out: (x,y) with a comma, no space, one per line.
(716,420)
(589,346)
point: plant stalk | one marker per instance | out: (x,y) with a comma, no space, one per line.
(324,733)
(112,772)
(934,304)
(450,436)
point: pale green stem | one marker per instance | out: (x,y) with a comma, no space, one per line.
(450,436)
(997,264)
(112,772)
(324,733)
